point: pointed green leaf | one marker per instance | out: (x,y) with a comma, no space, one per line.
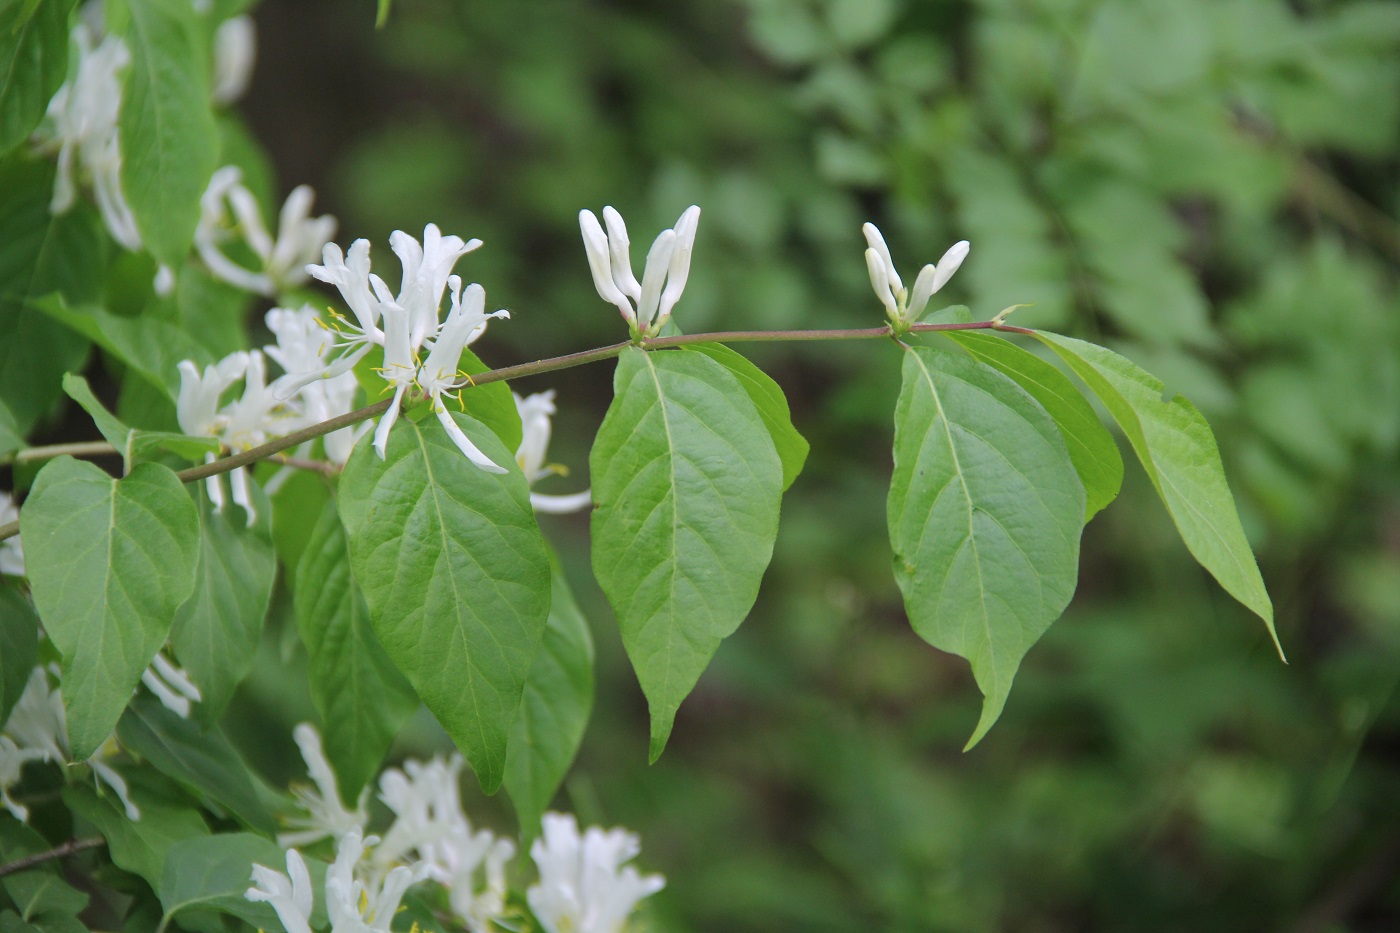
(1178,451)
(153,348)
(772,406)
(169,140)
(492,404)
(137,846)
(362,698)
(33,62)
(214,872)
(217,629)
(687,485)
(40,254)
(202,762)
(554,711)
(109,561)
(1091,447)
(39,894)
(130,442)
(19,639)
(985,513)
(456,575)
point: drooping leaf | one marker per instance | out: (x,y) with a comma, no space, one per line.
(985,512)
(492,404)
(362,698)
(133,442)
(772,406)
(138,846)
(214,872)
(33,62)
(19,639)
(1177,449)
(169,140)
(109,562)
(216,630)
(40,254)
(1091,447)
(687,485)
(456,576)
(554,712)
(151,347)
(202,762)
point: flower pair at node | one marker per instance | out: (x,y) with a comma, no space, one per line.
(645,305)
(405,324)
(903,306)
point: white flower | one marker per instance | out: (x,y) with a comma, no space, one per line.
(668,265)
(902,306)
(228,207)
(84,116)
(12,762)
(11,553)
(404,324)
(37,730)
(289,894)
(235,51)
(535,412)
(171,685)
(360,906)
(327,816)
(303,342)
(429,821)
(584,886)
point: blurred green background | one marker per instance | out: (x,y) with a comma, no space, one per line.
(1209,186)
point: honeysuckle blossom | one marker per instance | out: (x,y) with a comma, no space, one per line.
(404,324)
(901,305)
(357,905)
(171,686)
(535,413)
(584,886)
(289,894)
(326,816)
(645,305)
(235,51)
(11,552)
(37,730)
(303,343)
(83,127)
(243,423)
(229,209)
(429,821)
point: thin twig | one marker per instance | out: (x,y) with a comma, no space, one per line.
(78,449)
(71,847)
(552,364)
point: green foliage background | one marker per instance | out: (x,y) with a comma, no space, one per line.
(1209,186)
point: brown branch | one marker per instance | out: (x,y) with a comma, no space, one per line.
(71,847)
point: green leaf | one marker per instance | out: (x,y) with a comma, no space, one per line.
(137,846)
(130,442)
(772,407)
(204,763)
(39,893)
(216,631)
(169,140)
(1091,448)
(150,346)
(33,63)
(109,562)
(1178,451)
(492,404)
(40,254)
(985,513)
(362,698)
(554,711)
(10,437)
(382,16)
(214,872)
(456,575)
(19,639)
(687,485)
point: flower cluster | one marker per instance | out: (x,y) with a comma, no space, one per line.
(584,884)
(901,305)
(536,412)
(645,305)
